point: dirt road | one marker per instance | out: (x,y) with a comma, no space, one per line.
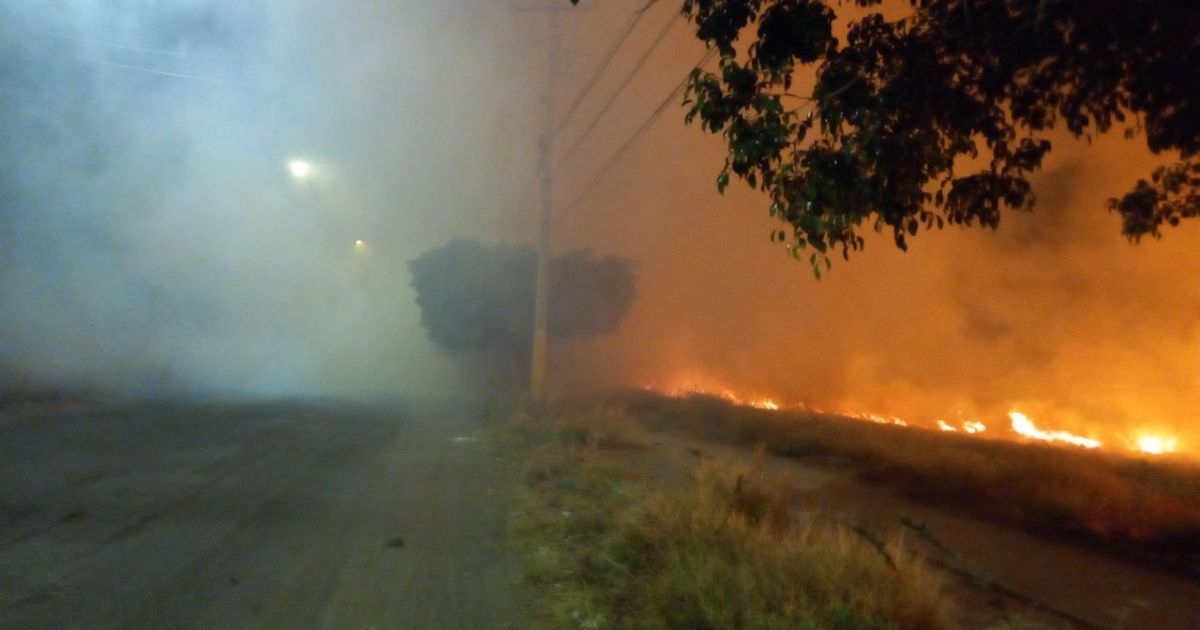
(250,516)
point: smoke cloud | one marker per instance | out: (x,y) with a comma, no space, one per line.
(153,238)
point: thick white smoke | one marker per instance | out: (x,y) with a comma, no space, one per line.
(153,239)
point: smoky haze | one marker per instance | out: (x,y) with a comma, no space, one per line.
(153,238)
(1054,313)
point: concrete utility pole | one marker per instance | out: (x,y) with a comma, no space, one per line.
(541,300)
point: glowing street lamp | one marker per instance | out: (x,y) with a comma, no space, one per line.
(299,169)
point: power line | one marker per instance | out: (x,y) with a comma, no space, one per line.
(162,72)
(621,88)
(153,51)
(608,57)
(637,135)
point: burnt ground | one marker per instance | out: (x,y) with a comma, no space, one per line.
(250,515)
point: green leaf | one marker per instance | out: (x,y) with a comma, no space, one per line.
(893,117)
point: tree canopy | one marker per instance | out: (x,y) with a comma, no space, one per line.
(478,299)
(939,116)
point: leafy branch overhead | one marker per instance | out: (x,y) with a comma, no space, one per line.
(940,116)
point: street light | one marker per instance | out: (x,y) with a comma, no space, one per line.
(299,169)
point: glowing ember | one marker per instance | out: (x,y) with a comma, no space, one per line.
(1024,426)
(690,389)
(973,427)
(876,418)
(968,426)
(1157,444)
(766,403)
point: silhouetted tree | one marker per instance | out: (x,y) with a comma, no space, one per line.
(904,99)
(478,300)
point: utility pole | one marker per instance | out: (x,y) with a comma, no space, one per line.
(541,300)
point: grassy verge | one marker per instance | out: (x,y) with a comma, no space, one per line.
(1132,506)
(609,546)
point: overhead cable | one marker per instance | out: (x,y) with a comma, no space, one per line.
(152,51)
(621,88)
(637,135)
(608,57)
(195,77)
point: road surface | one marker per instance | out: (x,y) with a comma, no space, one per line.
(281,515)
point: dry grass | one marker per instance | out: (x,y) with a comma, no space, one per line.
(603,427)
(731,555)
(608,548)
(1128,505)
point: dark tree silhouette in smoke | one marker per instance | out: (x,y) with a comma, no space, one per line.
(902,106)
(477,300)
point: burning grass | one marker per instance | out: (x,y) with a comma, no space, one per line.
(609,547)
(1145,509)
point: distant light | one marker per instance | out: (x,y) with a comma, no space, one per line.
(360,246)
(300,169)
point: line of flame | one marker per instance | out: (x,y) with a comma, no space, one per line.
(1021,424)
(1024,426)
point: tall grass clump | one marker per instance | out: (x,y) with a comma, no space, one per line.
(609,547)
(730,554)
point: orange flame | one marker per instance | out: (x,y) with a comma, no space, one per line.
(970,427)
(1024,426)
(691,389)
(1157,444)
(973,427)
(1149,443)
(765,403)
(873,417)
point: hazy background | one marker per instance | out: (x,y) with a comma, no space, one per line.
(151,237)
